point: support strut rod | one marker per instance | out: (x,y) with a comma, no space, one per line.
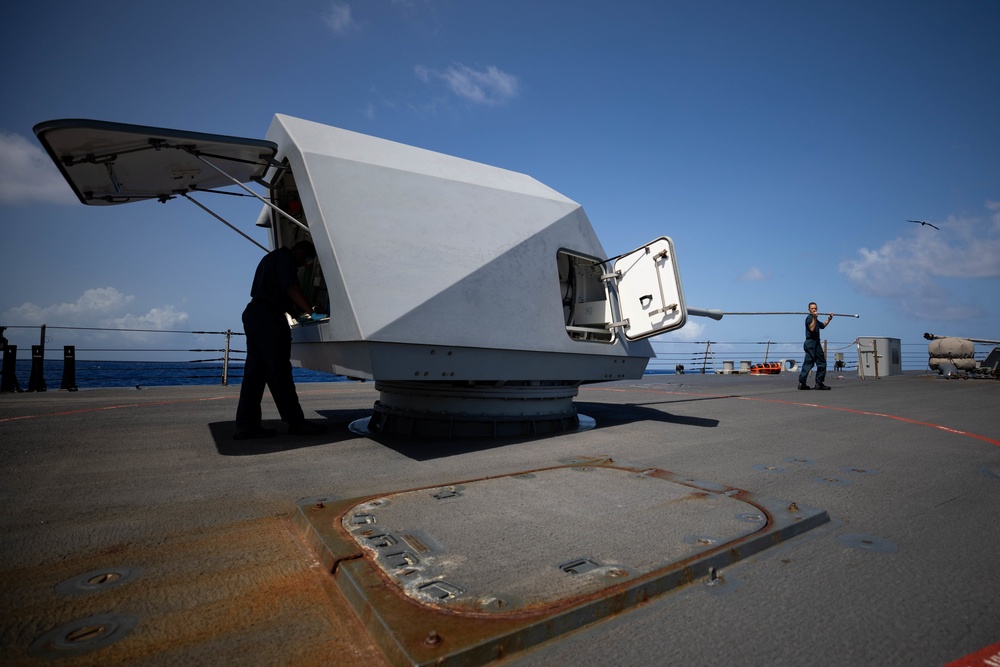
(220,219)
(248,190)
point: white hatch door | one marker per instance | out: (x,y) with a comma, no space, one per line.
(114,163)
(649,294)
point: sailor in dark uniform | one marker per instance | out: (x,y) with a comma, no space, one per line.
(275,291)
(814,349)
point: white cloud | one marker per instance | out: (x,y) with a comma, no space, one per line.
(490,85)
(340,20)
(915,270)
(994,206)
(753,274)
(102,308)
(691,331)
(160,319)
(27,175)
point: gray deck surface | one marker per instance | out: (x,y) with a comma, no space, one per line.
(905,573)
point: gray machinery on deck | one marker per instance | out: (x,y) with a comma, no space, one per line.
(949,355)
(477,298)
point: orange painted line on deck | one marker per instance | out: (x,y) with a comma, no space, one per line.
(123,406)
(985,657)
(110,407)
(816,405)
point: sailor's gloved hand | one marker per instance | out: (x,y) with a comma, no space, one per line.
(304,318)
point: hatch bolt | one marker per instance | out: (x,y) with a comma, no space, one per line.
(432,638)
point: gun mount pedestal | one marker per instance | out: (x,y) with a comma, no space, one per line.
(473,410)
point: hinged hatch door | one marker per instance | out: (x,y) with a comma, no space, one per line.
(114,163)
(649,294)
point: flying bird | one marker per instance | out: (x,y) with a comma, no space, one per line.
(921,222)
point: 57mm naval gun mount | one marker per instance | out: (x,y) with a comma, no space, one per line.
(954,356)
(477,298)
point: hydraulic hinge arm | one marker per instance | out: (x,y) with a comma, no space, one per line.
(251,192)
(220,219)
(612,279)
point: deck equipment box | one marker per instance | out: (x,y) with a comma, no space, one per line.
(878,357)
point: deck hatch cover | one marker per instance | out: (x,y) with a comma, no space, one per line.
(501,535)
(116,163)
(505,567)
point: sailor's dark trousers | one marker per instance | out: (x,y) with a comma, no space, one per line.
(269,348)
(814,356)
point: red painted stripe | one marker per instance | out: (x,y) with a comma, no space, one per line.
(4,420)
(985,657)
(813,405)
(110,407)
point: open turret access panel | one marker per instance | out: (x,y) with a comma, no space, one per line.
(638,293)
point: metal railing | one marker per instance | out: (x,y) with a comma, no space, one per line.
(48,362)
(710,356)
(94,368)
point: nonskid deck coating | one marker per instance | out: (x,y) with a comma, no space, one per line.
(908,469)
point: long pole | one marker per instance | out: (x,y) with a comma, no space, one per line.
(791,313)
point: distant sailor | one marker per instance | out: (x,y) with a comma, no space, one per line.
(814,349)
(275,291)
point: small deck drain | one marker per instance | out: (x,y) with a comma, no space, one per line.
(83,635)
(98,580)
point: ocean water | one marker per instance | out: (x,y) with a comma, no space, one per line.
(97,374)
(104,374)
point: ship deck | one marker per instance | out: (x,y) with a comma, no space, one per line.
(136,531)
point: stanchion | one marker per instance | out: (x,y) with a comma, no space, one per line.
(8,379)
(225,360)
(37,380)
(69,368)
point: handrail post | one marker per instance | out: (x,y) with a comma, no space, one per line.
(8,375)
(36,381)
(69,368)
(225,360)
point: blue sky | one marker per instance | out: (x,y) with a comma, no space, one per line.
(782,145)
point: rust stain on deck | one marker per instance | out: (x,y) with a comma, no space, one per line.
(247,588)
